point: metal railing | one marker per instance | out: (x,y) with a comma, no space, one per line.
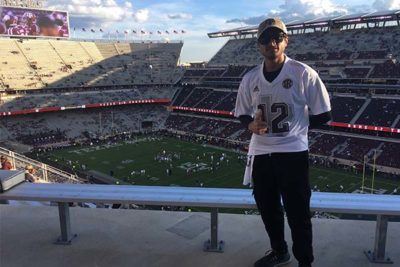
(43,171)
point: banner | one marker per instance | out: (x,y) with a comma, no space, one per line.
(96,105)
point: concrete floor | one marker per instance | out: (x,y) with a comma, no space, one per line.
(138,238)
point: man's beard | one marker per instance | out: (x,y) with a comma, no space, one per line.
(272,55)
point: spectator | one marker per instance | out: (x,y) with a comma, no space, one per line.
(30,174)
(5,163)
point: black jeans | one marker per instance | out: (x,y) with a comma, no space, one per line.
(285,175)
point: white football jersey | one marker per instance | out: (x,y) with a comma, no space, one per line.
(285,102)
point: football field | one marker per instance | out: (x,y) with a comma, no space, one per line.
(172,162)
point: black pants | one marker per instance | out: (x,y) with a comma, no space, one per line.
(285,175)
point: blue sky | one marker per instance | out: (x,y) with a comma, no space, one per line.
(198,17)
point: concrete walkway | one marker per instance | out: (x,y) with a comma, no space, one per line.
(137,238)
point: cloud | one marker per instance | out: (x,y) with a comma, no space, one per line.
(298,9)
(386,4)
(142,15)
(99,12)
(248,21)
(310,9)
(180,16)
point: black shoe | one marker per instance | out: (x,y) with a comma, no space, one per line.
(273,259)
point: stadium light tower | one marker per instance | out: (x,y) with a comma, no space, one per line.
(23,3)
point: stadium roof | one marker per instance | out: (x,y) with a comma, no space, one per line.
(318,22)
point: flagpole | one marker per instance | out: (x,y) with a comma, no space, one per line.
(373,172)
(363,177)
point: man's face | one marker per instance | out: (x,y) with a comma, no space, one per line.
(272,43)
(49,31)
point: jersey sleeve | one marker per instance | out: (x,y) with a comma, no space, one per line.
(243,100)
(316,94)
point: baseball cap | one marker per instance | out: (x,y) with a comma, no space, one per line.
(271,23)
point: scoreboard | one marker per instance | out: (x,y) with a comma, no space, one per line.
(31,22)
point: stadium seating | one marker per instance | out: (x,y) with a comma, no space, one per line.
(95,121)
(380,112)
(352,53)
(324,144)
(36,64)
(73,99)
(100,72)
(345,108)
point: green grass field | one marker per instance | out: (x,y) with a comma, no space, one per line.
(124,158)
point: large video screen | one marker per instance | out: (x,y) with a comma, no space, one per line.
(33,22)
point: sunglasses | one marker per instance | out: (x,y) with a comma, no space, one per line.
(278,37)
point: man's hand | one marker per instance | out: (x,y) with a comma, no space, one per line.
(258,126)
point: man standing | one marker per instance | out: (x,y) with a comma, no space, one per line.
(273,102)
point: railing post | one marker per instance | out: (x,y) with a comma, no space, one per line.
(378,255)
(212,245)
(65,225)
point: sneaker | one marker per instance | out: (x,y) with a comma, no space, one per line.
(273,259)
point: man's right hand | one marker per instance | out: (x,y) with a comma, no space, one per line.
(258,126)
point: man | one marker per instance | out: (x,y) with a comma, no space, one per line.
(5,163)
(279,93)
(49,26)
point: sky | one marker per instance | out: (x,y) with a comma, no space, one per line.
(197,18)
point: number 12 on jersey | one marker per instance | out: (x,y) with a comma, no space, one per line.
(276,115)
